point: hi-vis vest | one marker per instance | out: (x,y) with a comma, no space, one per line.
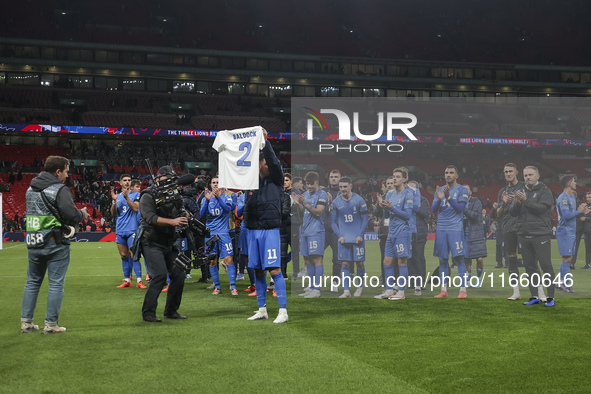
(40,220)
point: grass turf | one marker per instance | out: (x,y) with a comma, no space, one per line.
(329,345)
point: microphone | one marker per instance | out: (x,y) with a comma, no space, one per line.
(187,179)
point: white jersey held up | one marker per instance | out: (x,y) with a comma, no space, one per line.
(239,157)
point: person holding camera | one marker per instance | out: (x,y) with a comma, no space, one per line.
(51,213)
(158,246)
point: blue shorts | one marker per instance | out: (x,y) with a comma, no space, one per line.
(243,241)
(398,246)
(351,252)
(125,239)
(566,243)
(223,247)
(312,245)
(449,241)
(264,249)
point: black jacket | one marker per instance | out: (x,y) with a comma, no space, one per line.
(163,235)
(535,214)
(423,217)
(263,207)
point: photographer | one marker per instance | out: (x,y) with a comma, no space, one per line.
(50,209)
(160,252)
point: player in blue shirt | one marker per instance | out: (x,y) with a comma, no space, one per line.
(566,206)
(125,207)
(349,218)
(314,201)
(398,205)
(450,203)
(217,206)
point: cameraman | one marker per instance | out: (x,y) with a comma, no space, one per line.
(160,252)
(49,205)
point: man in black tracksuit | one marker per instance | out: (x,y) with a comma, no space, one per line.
(533,207)
(508,223)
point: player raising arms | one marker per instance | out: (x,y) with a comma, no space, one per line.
(349,218)
(398,204)
(566,206)
(450,202)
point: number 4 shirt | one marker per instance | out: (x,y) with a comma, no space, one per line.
(239,157)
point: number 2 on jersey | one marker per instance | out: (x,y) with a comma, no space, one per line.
(248,147)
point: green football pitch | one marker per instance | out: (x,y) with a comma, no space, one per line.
(482,344)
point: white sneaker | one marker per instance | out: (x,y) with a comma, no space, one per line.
(211,286)
(398,296)
(307,291)
(541,294)
(334,288)
(346,294)
(313,294)
(28,326)
(385,294)
(53,329)
(358,292)
(261,314)
(516,294)
(282,316)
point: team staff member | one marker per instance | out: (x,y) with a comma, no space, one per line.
(160,252)
(50,206)
(509,223)
(533,207)
(262,216)
(422,233)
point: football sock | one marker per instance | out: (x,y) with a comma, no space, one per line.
(564,269)
(311,270)
(215,274)
(126,268)
(261,286)
(318,276)
(346,276)
(403,278)
(232,275)
(479,272)
(389,276)
(251,275)
(459,260)
(137,268)
(280,289)
(361,273)
(443,273)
